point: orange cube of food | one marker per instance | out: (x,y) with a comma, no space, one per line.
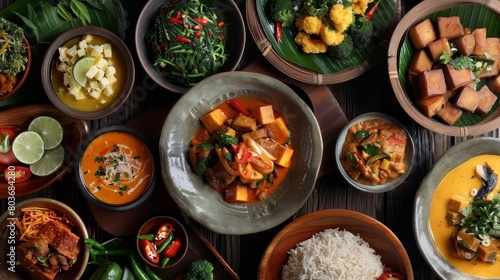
(279,130)
(244,123)
(487,253)
(201,136)
(449,114)
(493,46)
(449,27)
(456,204)
(456,78)
(480,38)
(488,98)
(420,62)
(236,193)
(213,120)
(264,114)
(453,217)
(422,34)
(468,99)
(438,47)
(283,155)
(431,82)
(430,106)
(468,241)
(465,44)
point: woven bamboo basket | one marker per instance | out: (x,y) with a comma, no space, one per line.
(307,75)
(472,13)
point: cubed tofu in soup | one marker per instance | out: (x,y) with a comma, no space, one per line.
(449,114)
(456,78)
(468,99)
(431,82)
(465,44)
(422,34)
(430,106)
(264,114)
(420,62)
(480,38)
(449,27)
(213,120)
(487,101)
(438,47)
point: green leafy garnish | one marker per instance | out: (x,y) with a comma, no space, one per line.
(362,134)
(371,149)
(226,140)
(481,217)
(13,57)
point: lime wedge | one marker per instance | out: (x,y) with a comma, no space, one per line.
(50,130)
(28,147)
(51,161)
(82,65)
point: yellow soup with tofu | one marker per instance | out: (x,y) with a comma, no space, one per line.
(460,185)
(103,83)
(117,167)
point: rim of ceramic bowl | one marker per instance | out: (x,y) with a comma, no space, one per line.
(24,74)
(79,176)
(410,148)
(61,207)
(150,9)
(47,66)
(420,11)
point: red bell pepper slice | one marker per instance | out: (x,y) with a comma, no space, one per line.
(241,153)
(238,107)
(17,174)
(149,251)
(162,233)
(396,141)
(173,248)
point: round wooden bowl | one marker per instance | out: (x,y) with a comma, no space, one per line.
(267,46)
(400,49)
(381,239)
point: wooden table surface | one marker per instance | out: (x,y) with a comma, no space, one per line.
(368,93)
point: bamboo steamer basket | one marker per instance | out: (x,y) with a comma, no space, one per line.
(419,12)
(306,75)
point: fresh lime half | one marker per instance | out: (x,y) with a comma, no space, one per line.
(82,65)
(50,162)
(50,130)
(28,147)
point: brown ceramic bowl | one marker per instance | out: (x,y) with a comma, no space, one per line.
(381,239)
(21,77)
(473,14)
(6,222)
(151,226)
(235,40)
(125,74)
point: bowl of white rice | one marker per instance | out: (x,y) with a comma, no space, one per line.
(335,244)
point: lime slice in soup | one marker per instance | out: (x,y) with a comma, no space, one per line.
(28,147)
(81,67)
(51,161)
(49,129)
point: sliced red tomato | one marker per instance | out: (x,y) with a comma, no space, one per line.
(149,251)
(17,174)
(8,158)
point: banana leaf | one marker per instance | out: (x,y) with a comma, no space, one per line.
(471,16)
(321,63)
(45,20)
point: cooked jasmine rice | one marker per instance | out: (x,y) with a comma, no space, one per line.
(333,254)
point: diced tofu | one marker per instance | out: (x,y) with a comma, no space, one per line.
(93,84)
(95,93)
(82,44)
(80,96)
(112,79)
(81,52)
(488,98)
(493,46)
(101,62)
(257,134)
(108,91)
(104,83)
(264,114)
(283,155)
(480,38)
(107,50)
(456,78)
(453,217)
(422,34)
(92,72)
(431,82)
(63,55)
(66,79)
(468,99)
(72,51)
(449,114)
(456,204)
(449,27)
(420,62)
(430,106)
(438,47)
(244,123)
(279,130)
(99,75)
(110,71)
(236,193)
(494,84)
(88,38)
(487,253)
(98,49)
(213,120)
(465,44)
(468,241)
(74,90)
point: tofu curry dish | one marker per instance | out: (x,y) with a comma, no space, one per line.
(243,149)
(374,152)
(47,243)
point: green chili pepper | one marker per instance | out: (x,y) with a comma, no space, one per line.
(164,245)
(151,273)
(149,236)
(95,244)
(137,269)
(164,261)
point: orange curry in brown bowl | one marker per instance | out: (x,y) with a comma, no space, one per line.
(116,168)
(374,152)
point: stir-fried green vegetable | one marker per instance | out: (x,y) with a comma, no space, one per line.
(187,41)
(13,57)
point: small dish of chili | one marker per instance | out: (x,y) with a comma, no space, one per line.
(162,241)
(374,152)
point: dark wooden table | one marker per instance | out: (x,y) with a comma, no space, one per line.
(368,93)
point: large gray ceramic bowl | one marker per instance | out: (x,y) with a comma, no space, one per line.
(455,156)
(196,198)
(235,40)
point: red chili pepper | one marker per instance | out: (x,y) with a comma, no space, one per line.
(221,24)
(162,233)
(203,21)
(277,31)
(396,141)
(17,174)
(175,20)
(8,131)
(149,251)
(183,39)
(8,158)
(241,153)
(238,107)
(370,13)
(173,248)
(390,275)
(197,34)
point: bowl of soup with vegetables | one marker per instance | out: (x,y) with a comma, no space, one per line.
(88,72)
(116,168)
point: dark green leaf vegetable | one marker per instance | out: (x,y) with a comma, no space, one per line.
(281,11)
(361,32)
(342,50)
(199,269)
(13,57)
(187,41)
